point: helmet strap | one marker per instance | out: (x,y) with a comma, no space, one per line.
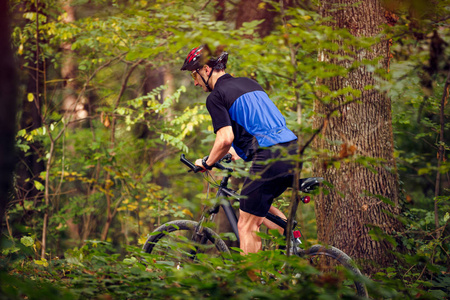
(206,81)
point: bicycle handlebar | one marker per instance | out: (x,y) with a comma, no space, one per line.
(189,164)
(306,185)
(195,169)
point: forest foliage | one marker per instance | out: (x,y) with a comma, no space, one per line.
(108,168)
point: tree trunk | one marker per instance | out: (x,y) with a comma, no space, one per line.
(250,10)
(219,8)
(8,108)
(441,153)
(73,106)
(365,129)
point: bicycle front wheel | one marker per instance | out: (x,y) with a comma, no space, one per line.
(331,261)
(179,242)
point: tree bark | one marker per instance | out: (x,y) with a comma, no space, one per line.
(8,109)
(364,129)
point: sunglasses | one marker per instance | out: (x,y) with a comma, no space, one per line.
(194,74)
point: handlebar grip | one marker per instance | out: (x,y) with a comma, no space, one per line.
(189,164)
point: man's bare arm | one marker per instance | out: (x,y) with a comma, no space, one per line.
(222,145)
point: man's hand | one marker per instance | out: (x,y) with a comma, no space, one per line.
(199,163)
(234,155)
(222,145)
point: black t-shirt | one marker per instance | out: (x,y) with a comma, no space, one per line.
(242,104)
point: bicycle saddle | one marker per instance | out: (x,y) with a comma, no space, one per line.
(309,184)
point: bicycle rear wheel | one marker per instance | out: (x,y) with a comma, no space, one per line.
(176,243)
(331,261)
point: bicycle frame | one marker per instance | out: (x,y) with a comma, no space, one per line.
(224,194)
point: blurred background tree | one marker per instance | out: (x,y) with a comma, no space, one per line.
(8,102)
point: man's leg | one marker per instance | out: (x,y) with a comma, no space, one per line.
(259,194)
(275,211)
(248,226)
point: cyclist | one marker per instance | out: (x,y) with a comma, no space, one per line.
(249,126)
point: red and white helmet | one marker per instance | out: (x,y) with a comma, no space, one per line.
(200,56)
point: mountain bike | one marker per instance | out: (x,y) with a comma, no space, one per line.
(181,241)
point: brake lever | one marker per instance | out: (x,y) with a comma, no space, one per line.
(227,158)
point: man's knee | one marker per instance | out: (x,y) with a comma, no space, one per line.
(248,222)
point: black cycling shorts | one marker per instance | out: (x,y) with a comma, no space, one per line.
(267,179)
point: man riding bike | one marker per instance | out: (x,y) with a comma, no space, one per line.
(248,125)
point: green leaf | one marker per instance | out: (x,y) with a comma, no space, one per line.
(27,241)
(8,251)
(130,261)
(39,186)
(236,249)
(41,262)
(423,171)
(21,132)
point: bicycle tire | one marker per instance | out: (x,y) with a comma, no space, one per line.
(341,258)
(182,231)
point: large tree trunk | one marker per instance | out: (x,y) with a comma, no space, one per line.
(365,129)
(8,108)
